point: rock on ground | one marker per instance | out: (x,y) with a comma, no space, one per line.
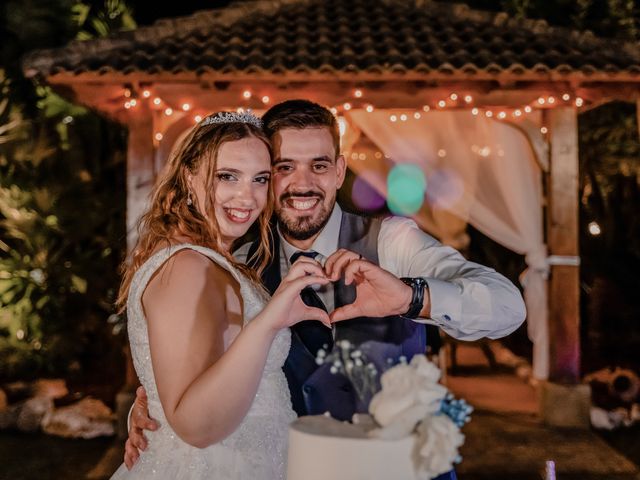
(89,418)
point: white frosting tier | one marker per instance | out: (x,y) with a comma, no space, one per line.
(321,448)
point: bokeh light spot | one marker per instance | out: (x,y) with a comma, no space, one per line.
(364,196)
(406,185)
(446,189)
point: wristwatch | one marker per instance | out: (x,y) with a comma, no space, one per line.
(418,286)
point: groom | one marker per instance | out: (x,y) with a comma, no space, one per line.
(467,300)
(403,277)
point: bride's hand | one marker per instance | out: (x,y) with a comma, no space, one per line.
(286,307)
(139,422)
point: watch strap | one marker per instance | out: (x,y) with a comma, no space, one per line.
(418,286)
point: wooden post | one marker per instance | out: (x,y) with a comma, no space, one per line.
(562,233)
(140,177)
(638,115)
(140,172)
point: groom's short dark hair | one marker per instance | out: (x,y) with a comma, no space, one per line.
(300,114)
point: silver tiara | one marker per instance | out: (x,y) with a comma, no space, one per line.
(232,117)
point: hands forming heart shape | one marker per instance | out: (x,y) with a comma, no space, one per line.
(378,292)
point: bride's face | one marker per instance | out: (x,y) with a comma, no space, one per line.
(240,184)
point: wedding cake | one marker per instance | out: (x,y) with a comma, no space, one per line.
(321,448)
(413,432)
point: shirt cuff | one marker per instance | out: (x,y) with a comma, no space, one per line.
(446,302)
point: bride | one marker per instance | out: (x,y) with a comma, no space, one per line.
(207,342)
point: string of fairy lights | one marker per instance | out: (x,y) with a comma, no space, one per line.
(453,100)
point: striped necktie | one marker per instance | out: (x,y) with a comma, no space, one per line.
(314,335)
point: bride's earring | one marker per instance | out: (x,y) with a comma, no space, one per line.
(189,200)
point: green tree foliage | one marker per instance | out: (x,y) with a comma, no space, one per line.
(114,15)
(62,184)
(610,199)
(607,18)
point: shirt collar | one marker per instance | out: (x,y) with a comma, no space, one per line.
(326,243)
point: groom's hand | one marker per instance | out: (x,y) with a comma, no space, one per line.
(139,422)
(378,292)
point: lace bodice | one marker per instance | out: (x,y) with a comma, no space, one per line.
(257,449)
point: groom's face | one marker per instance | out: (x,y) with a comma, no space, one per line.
(306,177)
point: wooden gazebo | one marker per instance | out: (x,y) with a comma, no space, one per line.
(414,54)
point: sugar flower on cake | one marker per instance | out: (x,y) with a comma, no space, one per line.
(408,391)
(436,450)
(412,400)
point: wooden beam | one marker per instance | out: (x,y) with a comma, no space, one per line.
(107,95)
(562,240)
(140,176)
(410,95)
(105,98)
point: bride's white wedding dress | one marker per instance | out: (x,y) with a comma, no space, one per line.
(257,449)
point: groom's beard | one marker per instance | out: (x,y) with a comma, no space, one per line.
(302,227)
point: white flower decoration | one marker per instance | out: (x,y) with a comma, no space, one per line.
(410,396)
(437,446)
(407,386)
(426,369)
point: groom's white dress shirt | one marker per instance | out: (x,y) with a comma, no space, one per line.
(468,300)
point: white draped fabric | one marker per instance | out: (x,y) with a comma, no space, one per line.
(478,170)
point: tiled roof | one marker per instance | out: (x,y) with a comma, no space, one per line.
(343,39)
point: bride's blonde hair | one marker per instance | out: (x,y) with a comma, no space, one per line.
(171,215)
